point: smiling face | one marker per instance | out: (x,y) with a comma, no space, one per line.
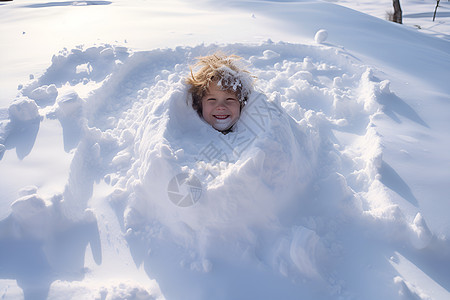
(220,108)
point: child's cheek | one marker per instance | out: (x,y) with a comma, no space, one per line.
(238,112)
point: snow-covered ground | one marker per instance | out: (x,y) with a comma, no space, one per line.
(335,184)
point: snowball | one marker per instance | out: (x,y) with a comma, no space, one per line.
(321,36)
(23,109)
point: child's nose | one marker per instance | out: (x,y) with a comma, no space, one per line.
(221,106)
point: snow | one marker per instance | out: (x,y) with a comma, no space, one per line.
(321,36)
(334,184)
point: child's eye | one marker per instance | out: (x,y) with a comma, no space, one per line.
(211,99)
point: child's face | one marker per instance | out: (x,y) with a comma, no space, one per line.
(220,108)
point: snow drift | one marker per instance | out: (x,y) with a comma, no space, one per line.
(291,197)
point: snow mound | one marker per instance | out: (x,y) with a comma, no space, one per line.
(290,197)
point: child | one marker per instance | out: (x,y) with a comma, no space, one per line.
(220,89)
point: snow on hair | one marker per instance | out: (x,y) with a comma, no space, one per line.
(225,71)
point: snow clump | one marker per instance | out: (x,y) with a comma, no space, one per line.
(321,36)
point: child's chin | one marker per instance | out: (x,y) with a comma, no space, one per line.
(222,127)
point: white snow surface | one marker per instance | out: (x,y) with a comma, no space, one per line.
(334,184)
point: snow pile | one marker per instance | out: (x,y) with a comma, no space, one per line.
(290,197)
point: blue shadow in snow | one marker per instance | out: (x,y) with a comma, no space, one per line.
(233,277)
(394,106)
(68,3)
(392,180)
(35,264)
(433,260)
(428,15)
(22,137)
(72,133)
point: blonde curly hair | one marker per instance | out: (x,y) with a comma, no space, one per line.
(224,70)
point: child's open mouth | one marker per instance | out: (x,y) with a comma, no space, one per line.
(221,117)
(222,122)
